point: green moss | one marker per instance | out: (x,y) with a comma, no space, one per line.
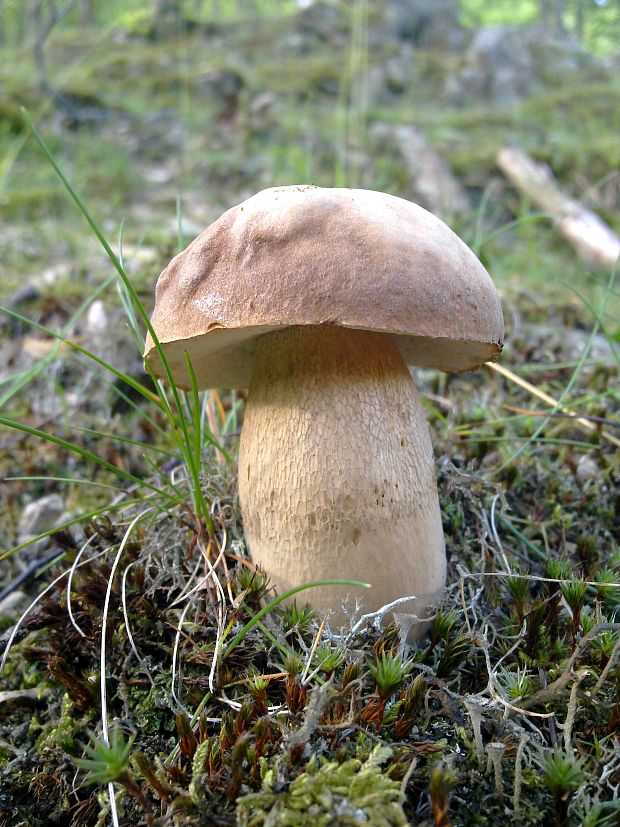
(56,736)
(328,793)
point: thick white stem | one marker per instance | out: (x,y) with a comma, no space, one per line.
(336,472)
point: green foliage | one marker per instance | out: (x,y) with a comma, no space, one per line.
(108,760)
(598,813)
(454,653)
(441,781)
(254,582)
(390,670)
(444,626)
(518,685)
(328,658)
(574,593)
(562,773)
(297,617)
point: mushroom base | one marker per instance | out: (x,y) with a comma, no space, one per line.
(336,472)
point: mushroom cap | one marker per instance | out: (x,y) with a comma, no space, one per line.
(306,255)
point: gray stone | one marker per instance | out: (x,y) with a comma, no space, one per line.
(428,24)
(503,64)
(39,516)
(497,65)
(587,469)
(12,602)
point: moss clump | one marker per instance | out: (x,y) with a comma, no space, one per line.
(351,793)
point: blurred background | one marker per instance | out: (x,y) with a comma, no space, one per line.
(156,108)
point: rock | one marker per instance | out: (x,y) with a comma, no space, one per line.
(565,344)
(260,111)
(39,516)
(50,276)
(429,181)
(223,88)
(96,319)
(503,64)
(497,66)
(26,293)
(428,24)
(158,136)
(587,469)
(12,602)
(139,257)
(77,110)
(160,174)
(321,22)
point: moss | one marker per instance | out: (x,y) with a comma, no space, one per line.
(328,793)
(56,735)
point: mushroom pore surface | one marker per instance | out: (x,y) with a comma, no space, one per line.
(336,472)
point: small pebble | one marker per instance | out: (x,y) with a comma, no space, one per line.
(587,469)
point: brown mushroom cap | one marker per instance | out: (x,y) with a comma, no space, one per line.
(304,255)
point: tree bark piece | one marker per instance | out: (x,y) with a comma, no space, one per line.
(593,240)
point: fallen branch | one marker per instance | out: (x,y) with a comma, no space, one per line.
(593,240)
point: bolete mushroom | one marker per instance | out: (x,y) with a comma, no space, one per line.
(318,299)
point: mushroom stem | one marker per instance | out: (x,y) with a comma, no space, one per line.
(336,472)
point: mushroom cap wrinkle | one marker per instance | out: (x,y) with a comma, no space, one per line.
(306,255)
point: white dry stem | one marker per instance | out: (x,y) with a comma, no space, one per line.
(223,698)
(516,795)
(213,566)
(185,594)
(495,533)
(319,634)
(538,579)
(557,686)
(516,644)
(104,623)
(125,614)
(408,774)
(74,623)
(216,649)
(492,688)
(222,557)
(175,653)
(555,403)
(221,608)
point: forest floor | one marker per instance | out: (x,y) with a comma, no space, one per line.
(511,704)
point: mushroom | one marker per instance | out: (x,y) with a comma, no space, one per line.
(319,299)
